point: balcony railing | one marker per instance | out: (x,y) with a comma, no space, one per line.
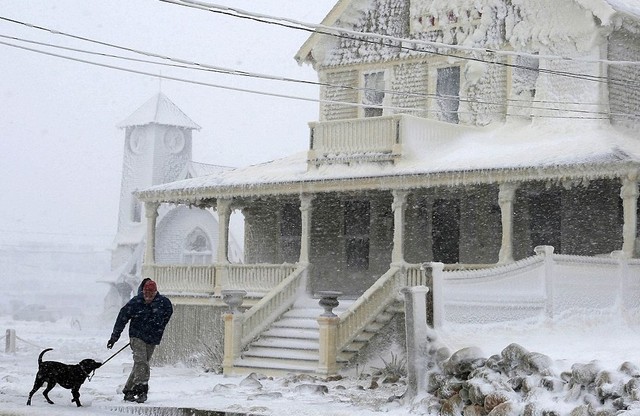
(379,139)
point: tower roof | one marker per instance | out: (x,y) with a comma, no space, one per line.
(159,110)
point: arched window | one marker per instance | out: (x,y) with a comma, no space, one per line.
(197,248)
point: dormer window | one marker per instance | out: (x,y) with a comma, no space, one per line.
(448,93)
(373,94)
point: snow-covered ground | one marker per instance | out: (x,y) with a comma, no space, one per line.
(576,340)
(80,333)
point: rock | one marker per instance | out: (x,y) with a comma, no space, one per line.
(224,387)
(534,362)
(552,384)
(513,356)
(505,409)
(337,377)
(630,369)
(582,410)
(605,387)
(463,361)
(584,374)
(265,396)
(494,399)
(251,382)
(474,410)
(312,389)
(452,406)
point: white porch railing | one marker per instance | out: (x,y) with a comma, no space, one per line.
(257,278)
(176,278)
(211,279)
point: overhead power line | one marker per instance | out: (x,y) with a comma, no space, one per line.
(211,68)
(400,43)
(228,71)
(332,30)
(246,90)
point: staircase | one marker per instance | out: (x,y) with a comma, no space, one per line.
(291,344)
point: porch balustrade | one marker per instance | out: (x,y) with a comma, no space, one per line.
(210,279)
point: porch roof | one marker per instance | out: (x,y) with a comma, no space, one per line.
(508,153)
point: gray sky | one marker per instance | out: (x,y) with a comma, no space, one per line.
(61,150)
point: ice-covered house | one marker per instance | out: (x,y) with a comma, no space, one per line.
(157,150)
(486,149)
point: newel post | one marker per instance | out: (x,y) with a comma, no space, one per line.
(547,252)
(328,322)
(415,306)
(233,319)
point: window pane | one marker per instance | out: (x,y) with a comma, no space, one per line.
(448,93)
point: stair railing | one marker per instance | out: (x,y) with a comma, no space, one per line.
(260,317)
(366,309)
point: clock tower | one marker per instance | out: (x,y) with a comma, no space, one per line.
(157,150)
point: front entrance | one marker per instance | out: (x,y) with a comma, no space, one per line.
(446,230)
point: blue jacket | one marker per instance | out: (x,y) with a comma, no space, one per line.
(147,320)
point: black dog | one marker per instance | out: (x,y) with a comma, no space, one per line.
(67,375)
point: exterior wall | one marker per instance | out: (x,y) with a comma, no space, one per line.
(175,227)
(261,232)
(591,218)
(191,328)
(624,45)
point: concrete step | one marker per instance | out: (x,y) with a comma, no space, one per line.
(287,343)
(294,333)
(279,353)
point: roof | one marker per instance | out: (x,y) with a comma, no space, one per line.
(159,110)
(538,151)
(197,169)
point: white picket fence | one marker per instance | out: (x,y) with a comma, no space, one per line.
(546,285)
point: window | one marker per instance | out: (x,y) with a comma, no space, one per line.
(290,231)
(373,93)
(357,215)
(448,93)
(197,248)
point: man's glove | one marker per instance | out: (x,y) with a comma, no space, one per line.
(111,341)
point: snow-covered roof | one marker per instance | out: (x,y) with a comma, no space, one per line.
(159,110)
(476,155)
(197,169)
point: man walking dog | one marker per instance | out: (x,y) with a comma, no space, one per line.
(149,313)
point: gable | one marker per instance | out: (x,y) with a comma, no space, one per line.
(521,25)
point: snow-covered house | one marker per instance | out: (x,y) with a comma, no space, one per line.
(466,133)
(157,150)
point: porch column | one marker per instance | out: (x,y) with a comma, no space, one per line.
(506,196)
(305,235)
(399,207)
(151,212)
(629,195)
(224,214)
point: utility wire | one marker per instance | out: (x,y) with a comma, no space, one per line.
(333,30)
(342,103)
(394,41)
(228,71)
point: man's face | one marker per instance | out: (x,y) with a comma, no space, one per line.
(148,294)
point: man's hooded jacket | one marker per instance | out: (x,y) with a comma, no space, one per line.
(147,320)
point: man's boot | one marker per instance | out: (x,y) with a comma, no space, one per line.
(129,396)
(142,390)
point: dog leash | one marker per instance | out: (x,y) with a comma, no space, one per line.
(117,352)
